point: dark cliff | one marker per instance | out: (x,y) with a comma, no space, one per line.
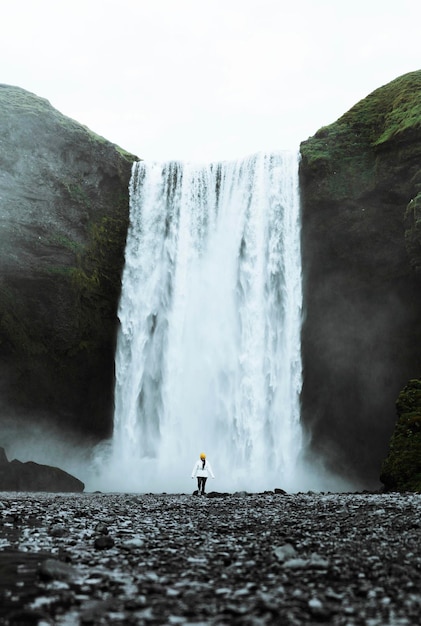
(64,217)
(361,239)
(401,469)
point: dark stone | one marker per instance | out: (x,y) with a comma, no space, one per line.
(58,530)
(64,211)
(103,542)
(28,617)
(360,182)
(53,569)
(101,528)
(30,476)
(226,561)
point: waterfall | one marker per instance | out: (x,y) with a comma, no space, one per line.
(208,355)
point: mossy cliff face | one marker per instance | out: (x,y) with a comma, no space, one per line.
(361,240)
(401,470)
(64,217)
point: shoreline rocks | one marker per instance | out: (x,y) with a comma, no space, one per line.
(340,559)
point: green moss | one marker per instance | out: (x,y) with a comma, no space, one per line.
(63,241)
(58,310)
(77,194)
(23,100)
(412,222)
(404,113)
(128,156)
(96,278)
(17,327)
(60,270)
(30,104)
(401,470)
(346,150)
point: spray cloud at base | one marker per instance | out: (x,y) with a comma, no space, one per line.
(208,355)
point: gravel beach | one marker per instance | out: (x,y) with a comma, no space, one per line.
(343,559)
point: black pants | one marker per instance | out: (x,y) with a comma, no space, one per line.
(201,482)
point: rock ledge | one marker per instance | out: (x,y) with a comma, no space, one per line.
(30,476)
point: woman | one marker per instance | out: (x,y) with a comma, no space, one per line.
(201,469)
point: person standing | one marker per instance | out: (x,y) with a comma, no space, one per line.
(201,470)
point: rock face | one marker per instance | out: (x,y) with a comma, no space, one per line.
(30,476)
(64,217)
(401,470)
(361,239)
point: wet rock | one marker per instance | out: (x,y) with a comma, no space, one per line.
(101,528)
(28,617)
(297,563)
(53,569)
(58,530)
(259,560)
(133,544)
(64,555)
(104,542)
(318,610)
(318,561)
(285,552)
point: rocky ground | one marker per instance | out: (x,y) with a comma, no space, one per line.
(343,559)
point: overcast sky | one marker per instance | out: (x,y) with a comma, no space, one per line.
(207,79)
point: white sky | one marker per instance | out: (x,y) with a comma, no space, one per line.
(207,79)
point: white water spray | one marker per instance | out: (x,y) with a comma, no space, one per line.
(208,356)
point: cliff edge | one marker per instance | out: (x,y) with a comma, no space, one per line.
(64,206)
(361,243)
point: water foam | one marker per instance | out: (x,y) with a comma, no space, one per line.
(208,355)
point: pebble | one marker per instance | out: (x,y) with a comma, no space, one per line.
(252,559)
(52,569)
(103,542)
(285,552)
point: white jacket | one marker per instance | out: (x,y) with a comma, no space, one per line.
(198,471)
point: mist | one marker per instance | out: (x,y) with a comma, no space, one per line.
(36,437)
(208,354)
(353,372)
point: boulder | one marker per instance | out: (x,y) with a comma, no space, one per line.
(30,476)
(360,182)
(64,205)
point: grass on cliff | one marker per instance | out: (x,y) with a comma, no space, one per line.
(16,98)
(388,113)
(401,470)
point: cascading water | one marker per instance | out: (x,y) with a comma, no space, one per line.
(208,356)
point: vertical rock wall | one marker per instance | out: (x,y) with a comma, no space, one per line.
(64,217)
(361,240)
